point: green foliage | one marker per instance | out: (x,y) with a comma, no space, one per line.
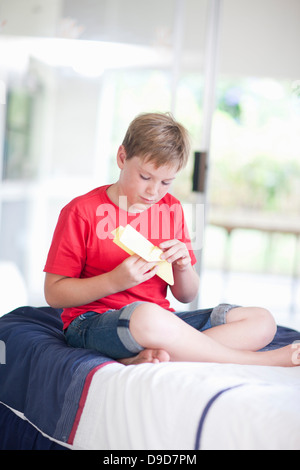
(269,180)
(255,155)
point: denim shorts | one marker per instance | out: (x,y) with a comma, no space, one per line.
(109,334)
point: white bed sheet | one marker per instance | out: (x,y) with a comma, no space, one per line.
(160,407)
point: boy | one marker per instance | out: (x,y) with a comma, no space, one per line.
(115,302)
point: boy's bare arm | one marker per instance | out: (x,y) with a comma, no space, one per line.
(186,280)
(64,292)
(186,284)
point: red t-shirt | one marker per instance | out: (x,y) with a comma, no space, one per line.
(82,246)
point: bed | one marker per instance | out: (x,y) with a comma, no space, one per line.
(54,397)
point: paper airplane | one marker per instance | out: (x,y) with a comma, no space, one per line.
(133,242)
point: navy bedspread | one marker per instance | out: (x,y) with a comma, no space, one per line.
(45,380)
(42,377)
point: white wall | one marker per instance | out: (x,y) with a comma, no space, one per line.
(260,38)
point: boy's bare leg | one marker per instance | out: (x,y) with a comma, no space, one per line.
(247,328)
(158,329)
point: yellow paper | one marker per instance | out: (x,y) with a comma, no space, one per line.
(133,242)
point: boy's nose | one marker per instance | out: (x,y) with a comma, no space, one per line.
(151,189)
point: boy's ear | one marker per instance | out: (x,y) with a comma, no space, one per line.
(121,156)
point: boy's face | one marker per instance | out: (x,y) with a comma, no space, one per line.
(142,182)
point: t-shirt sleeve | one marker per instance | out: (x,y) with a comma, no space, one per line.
(67,252)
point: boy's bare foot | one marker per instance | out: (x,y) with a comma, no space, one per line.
(153,356)
(292,354)
(287,356)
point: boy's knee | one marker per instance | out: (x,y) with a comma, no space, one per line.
(146,317)
(150,323)
(264,324)
(260,320)
(267,324)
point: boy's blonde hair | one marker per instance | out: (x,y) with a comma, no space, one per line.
(158,138)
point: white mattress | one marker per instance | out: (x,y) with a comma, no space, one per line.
(187,406)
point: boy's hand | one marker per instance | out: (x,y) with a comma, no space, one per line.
(177,253)
(133,271)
